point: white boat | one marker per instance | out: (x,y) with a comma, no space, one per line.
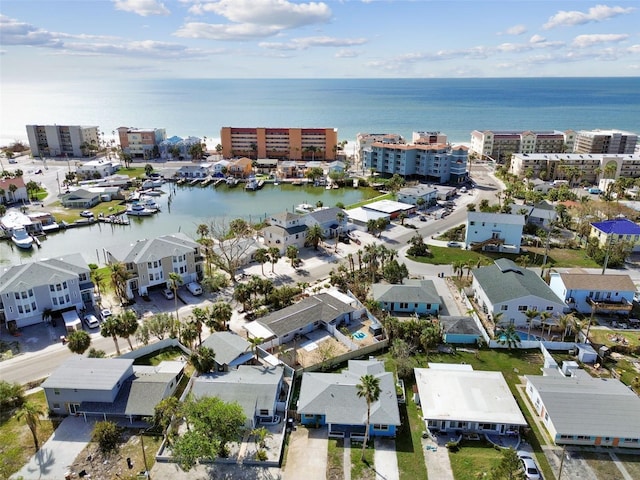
(21,238)
(152,183)
(139,210)
(150,203)
(251,184)
(232,182)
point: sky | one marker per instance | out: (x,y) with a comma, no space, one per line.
(55,40)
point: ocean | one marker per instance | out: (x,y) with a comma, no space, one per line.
(200,107)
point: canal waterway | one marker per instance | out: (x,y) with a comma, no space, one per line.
(183,208)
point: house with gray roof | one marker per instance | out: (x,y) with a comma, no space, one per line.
(500,232)
(110,387)
(149,262)
(327,219)
(55,285)
(459,330)
(257,389)
(424,195)
(583,410)
(542,214)
(230,348)
(284,229)
(80,198)
(319,311)
(331,399)
(506,288)
(412,296)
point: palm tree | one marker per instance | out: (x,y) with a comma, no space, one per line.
(242,294)
(340,218)
(274,256)
(128,322)
(203,230)
(567,323)
(255,343)
(531,316)
(30,412)
(111,328)
(221,313)
(119,279)
(175,280)
(292,255)
(79,341)
(369,389)
(199,317)
(261,256)
(314,236)
(203,360)
(509,337)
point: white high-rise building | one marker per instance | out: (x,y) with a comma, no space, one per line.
(62,140)
(605,141)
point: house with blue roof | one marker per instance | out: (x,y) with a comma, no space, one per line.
(616,230)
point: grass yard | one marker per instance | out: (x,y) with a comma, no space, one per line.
(132,172)
(386,196)
(362,470)
(602,465)
(70,215)
(157,357)
(408,442)
(473,459)
(614,337)
(16,442)
(335,459)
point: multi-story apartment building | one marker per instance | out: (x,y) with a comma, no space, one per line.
(61,140)
(605,141)
(498,144)
(141,142)
(31,289)
(575,167)
(178,148)
(149,262)
(280,143)
(434,163)
(365,140)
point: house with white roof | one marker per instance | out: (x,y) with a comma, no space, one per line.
(257,389)
(359,217)
(617,230)
(500,232)
(584,292)
(149,262)
(284,229)
(14,218)
(199,170)
(219,168)
(458,398)
(55,284)
(230,348)
(579,409)
(506,288)
(390,207)
(412,296)
(423,194)
(331,399)
(102,167)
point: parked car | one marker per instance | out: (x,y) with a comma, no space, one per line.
(595,190)
(13,160)
(194,288)
(38,172)
(167,293)
(86,213)
(105,313)
(454,244)
(523,454)
(91,321)
(423,218)
(531,471)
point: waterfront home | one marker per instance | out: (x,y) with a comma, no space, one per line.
(457,398)
(617,230)
(18,195)
(98,168)
(332,399)
(511,290)
(584,292)
(80,198)
(177,148)
(110,388)
(424,194)
(14,219)
(241,167)
(290,169)
(391,208)
(257,389)
(285,229)
(200,170)
(29,290)
(500,232)
(149,262)
(220,168)
(336,167)
(412,296)
(578,409)
(230,348)
(359,217)
(327,219)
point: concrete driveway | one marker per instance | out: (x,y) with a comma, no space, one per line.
(385,459)
(307,455)
(59,452)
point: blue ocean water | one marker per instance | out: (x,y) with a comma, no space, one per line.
(200,107)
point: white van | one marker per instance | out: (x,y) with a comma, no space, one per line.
(194,288)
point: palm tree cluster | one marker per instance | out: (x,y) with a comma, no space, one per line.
(258,292)
(123,325)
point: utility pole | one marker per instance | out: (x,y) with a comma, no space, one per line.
(144,455)
(564,448)
(606,257)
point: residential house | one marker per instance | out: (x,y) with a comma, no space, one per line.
(542,214)
(241,167)
(240,250)
(266,165)
(285,229)
(500,232)
(231,350)
(80,198)
(327,219)
(459,330)
(457,398)
(259,390)
(149,262)
(332,399)
(319,311)
(359,217)
(424,195)
(391,208)
(110,388)
(579,409)
(617,230)
(200,170)
(445,193)
(336,167)
(98,168)
(17,193)
(511,290)
(220,168)
(587,293)
(290,169)
(412,296)
(56,284)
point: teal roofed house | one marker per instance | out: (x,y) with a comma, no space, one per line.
(413,296)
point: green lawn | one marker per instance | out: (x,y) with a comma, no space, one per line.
(362,470)
(335,459)
(157,357)
(70,215)
(473,459)
(607,337)
(16,442)
(133,172)
(386,196)
(408,445)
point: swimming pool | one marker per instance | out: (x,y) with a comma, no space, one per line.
(359,335)
(522,335)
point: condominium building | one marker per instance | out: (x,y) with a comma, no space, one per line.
(498,144)
(575,167)
(365,140)
(434,163)
(141,142)
(605,141)
(62,140)
(280,143)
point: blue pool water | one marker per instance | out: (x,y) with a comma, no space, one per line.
(359,335)
(523,336)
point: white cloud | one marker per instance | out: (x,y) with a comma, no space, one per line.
(142,7)
(582,41)
(309,42)
(537,39)
(13,32)
(209,31)
(347,53)
(516,30)
(595,14)
(634,49)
